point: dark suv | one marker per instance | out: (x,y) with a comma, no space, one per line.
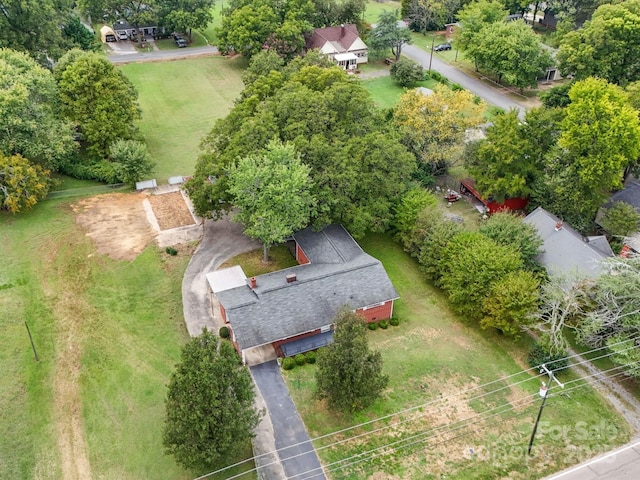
(181,42)
(442,47)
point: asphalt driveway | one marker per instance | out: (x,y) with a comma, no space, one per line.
(294,449)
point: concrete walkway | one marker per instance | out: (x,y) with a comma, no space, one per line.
(294,449)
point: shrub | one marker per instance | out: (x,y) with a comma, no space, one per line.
(310,357)
(300,359)
(288,363)
(372,326)
(224,332)
(394,321)
(438,77)
(407,72)
(171,251)
(456,87)
(383,324)
(539,355)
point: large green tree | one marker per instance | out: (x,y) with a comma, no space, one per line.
(607,46)
(272,194)
(22,184)
(388,35)
(210,414)
(184,15)
(473,17)
(358,166)
(133,160)
(470,265)
(349,374)
(29,108)
(432,234)
(100,100)
(620,219)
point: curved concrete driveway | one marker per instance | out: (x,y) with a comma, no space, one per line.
(221,240)
(475,86)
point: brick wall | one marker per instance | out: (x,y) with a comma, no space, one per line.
(379,312)
(223,312)
(301,258)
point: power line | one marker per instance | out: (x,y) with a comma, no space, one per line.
(417,407)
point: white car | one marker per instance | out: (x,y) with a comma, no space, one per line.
(122,35)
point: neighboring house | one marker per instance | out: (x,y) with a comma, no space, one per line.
(631,195)
(450,30)
(564,249)
(293,309)
(467,187)
(341,44)
(124,30)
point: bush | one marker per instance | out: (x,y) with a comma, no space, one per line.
(539,355)
(383,324)
(300,359)
(171,251)
(288,363)
(310,357)
(438,77)
(223,332)
(372,326)
(456,87)
(394,321)
(407,72)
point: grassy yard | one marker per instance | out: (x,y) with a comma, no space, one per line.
(430,358)
(374,9)
(386,92)
(180,102)
(108,334)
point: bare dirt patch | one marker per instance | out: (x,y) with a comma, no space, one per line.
(171,210)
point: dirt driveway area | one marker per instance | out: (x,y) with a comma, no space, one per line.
(122,225)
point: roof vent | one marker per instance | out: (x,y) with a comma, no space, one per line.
(558,226)
(291,277)
(253,282)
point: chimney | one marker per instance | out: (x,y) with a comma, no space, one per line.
(253,282)
(292,277)
(342,30)
(558,225)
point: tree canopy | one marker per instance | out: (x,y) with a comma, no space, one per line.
(22,184)
(210,414)
(389,35)
(620,219)
(607,46)
(29,108)
(473,17)
(358,166)
(349,374)
(184,15)
(272,194)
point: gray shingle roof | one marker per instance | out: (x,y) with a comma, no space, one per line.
(340,273)
(564,249)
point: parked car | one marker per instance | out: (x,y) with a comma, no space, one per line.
(442,47)
(181,42)
(122,35)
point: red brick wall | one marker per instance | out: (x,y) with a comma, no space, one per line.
(380,312)
(301,258)
(224,314)
(277,344)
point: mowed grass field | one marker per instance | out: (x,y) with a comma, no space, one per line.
(108,334)
(180,102)
(431,357)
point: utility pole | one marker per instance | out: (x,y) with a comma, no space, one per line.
(433,39)
(32,344)
(544,393)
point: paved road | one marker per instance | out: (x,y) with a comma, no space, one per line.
(299,460)
(475,86)
(163,55)
(623,463)
(221,240)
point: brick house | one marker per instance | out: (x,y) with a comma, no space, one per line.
(293,309)
(341,44)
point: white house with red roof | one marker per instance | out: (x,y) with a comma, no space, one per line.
(341,44)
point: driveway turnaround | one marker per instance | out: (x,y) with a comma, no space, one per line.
(294,448)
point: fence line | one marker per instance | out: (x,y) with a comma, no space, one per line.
(76,192)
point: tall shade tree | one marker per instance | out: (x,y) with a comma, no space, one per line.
(29,108)
(389,35)
(272,193)
(600,137)
(100,100)
(22,184)
(134,12)
(185,15)
(432,234)
(620,219)
(473,17)
(512,51)
(433,126)
(210,414)
(349,374)
(607,46)
(510,231)
(424,15)
(133,159)
(34,26)
(470,265)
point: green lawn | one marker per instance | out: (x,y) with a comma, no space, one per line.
(386,92)
(374,9)
(430,357)
(111,329)
(180,102)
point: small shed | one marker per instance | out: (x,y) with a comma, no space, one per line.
(107,34)
(467,187)
(146,184)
